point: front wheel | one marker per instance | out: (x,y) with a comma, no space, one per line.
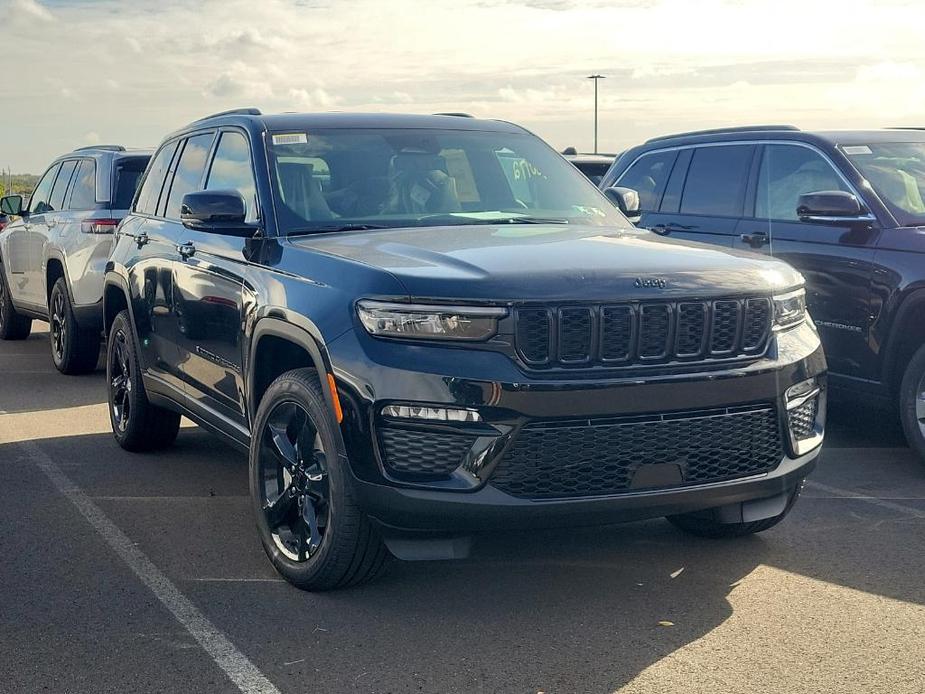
(74,348)
(704,524)
(310,525)
(912,403)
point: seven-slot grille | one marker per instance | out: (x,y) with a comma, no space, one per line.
(643,333)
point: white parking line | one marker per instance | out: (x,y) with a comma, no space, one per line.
(876,501)
(241,671)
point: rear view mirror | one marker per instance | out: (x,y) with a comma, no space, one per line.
(830,206)
(626,199)
(11,205)
(217,212)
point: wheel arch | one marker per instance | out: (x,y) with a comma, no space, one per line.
(56,268)
(906,335)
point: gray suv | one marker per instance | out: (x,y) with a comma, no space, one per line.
(53,254)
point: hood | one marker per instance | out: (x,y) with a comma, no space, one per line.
(553,262)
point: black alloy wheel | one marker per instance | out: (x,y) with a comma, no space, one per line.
(58,326)
(120,381)
(294,481)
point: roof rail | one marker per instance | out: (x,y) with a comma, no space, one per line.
(108,148)
(905,127)
(718,131)
(458,115)
(232,112)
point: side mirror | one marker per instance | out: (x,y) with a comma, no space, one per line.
(626,199)
(830,206)
(11,205)
(216,212)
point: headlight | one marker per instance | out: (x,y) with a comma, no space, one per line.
(789,309)
(421,322)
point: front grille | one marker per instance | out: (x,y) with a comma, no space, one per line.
(641,333)
(423,452)
(552,460)
(803,419)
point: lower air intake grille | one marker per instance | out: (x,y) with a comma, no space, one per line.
(423,452)
(803,419)
(548,461)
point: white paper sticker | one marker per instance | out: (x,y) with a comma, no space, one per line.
(420,194)
(290,139)
(856,149)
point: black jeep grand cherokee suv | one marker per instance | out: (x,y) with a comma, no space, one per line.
(422,326)
(846,208)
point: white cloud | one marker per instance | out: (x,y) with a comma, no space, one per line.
(316,98)
(91,138)
(30,10)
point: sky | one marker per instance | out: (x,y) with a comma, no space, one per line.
(91,71)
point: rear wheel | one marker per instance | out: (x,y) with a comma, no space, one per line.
(74,349)
(912,403)
(704,523)
(13,326)
(310,525)
(136,423)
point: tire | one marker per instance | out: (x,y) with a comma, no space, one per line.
(310,525)
(74,349)
(912,403)
(703,524)
(13,326)
(136,423)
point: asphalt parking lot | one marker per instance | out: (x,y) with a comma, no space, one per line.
(143,573)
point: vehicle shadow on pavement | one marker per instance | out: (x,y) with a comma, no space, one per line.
(583,609)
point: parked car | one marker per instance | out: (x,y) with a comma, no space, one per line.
(448,330)
(53,255)
(594,166)
(4,220)
(846,208)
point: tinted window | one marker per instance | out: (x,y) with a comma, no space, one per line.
(231,170)
(787,172)
(127,174)
(189,172)
(56,200)
(716,181)
(648,177)
(38,203)
(83,196)
(154,180)
(896,170)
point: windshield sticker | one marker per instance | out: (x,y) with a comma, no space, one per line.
(856,149)
(290,139)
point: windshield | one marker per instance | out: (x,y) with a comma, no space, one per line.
(896,170)
(362,178)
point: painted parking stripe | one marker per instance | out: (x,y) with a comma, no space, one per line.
(876,501)
(239,669)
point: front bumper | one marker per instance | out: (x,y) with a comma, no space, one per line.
(374,373)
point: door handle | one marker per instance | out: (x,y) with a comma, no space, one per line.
(186,249)
(756,240)
(51,223)
(141,239)
(661,229)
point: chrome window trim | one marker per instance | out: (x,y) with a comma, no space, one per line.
(729,143)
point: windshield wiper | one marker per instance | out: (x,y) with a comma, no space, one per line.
(335,227)
(460,220)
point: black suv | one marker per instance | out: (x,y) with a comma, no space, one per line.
(845,208)
(423,326)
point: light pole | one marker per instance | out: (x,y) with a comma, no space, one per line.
(596,78)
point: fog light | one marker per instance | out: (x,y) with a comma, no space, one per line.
(437,414)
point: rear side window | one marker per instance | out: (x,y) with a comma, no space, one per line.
(648,177)
(716,180)
(151,188)
(787,172)
(231,170)
(189,172)
(127,173)
(56,200)
(38,202)
(83,195)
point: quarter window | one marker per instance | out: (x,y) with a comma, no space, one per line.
(154,180)
(231,170)
(716,180)
(83,196)
(38,203)
(189,172)
(56,200)
(787,172)
(648,177)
